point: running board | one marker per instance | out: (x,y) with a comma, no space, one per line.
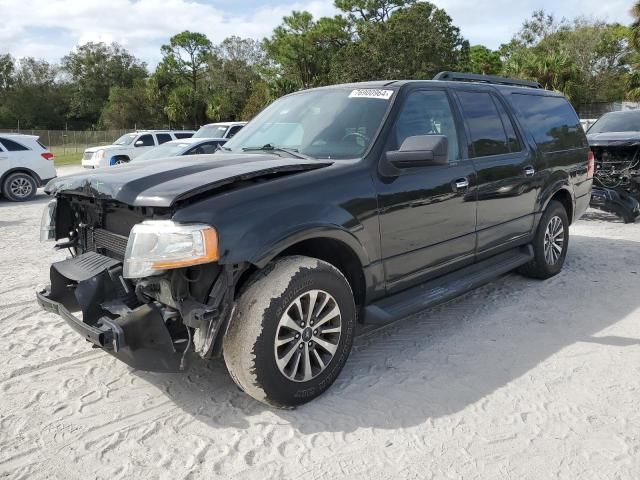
(445,288)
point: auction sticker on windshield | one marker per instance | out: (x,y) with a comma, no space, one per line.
(371,93)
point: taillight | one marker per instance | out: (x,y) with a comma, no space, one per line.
(591,164)
(47,155)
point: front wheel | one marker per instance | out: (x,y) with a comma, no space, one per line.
(550,243)
(291,332)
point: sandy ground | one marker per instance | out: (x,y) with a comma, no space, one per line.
(520,379)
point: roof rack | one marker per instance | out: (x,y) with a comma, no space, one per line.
(474,77)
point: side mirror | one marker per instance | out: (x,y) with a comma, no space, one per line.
(139,143)
(420,151)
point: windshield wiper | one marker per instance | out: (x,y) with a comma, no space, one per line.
(271,148)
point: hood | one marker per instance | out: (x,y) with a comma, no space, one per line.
(614,139)
(104,147)
(163,182)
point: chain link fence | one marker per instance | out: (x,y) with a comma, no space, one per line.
(70,141)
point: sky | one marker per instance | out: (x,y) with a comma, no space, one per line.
(49,29)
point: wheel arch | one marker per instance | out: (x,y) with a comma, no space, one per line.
(26,170)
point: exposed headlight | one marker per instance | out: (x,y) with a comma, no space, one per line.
(48,222)
(99,154)
(158,245)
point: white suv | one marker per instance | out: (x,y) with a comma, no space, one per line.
(25,165)
(129,146)
(219,130)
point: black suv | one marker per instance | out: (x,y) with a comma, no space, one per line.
(334,210)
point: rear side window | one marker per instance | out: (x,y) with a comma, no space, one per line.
(233,130)
(488,136)
(551,120)
(163,138)
(12,146)
(183,134)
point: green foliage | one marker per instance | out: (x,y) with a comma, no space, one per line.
(93,69)
(484,61)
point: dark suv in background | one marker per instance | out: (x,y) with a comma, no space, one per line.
(335,209)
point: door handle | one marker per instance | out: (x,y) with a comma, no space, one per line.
(529,171)
(460,184)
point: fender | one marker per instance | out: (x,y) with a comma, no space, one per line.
(268,252)
(553,187)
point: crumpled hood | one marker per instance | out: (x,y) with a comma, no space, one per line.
(614,139)
(160,183)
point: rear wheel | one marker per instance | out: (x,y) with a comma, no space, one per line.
(291,332)
(19,187)
(549,244)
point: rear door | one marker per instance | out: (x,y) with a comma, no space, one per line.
(507,171)
(427,214)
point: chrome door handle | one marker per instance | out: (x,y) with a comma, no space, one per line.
(461,183)
(529,171)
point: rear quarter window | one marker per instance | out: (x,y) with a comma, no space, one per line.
(12,146)
(551,120)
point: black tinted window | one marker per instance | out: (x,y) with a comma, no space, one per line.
(12,146)
(427,112)
(183,134)
(163,138)
(147,141)
(233,130)
(512,139)
(551,120)
(209,147)
(488,136)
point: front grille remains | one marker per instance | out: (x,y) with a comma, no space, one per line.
(103,239)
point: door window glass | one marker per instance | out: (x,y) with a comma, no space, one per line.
(163,138)
(427,112)
(512,138)
(147,141)
(488,136)
(233,130)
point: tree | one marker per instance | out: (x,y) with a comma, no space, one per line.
(416,42)
(304,48)
(371,11)
(484,61)
(134,106)
(634,36)
(94,68)
(7,68)
(186,58)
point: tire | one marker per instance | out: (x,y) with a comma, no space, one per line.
(271,298)
(549,262)
(19,187)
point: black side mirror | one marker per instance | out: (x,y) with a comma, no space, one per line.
(420,151)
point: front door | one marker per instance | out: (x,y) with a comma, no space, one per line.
(506,172)
(428,214)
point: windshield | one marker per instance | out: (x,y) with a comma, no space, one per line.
(333,123)
(163,151)
(125,139)
(617,122)
(211,131)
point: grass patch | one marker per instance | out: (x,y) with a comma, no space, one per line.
(62,157)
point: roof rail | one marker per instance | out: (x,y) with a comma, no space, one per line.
(474,77)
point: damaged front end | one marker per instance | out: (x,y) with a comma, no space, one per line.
(152,317)
(617,177)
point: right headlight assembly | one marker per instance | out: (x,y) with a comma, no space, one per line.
(158,245)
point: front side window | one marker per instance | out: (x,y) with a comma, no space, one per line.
(488,136)
(427,112)
(233,130)
(147,141)
(12,146)
(332,123)
(205,148)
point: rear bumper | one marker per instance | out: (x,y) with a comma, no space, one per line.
(111,319)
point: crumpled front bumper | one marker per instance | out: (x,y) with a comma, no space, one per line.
(615,201)
(112,319)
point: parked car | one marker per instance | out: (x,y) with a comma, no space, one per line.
(219,130)
(178,148)
(615,143)
(129,146)
(25,165)
(365,209)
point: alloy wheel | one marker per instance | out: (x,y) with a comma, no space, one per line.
(21,187)
(308,335)
(553,240)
